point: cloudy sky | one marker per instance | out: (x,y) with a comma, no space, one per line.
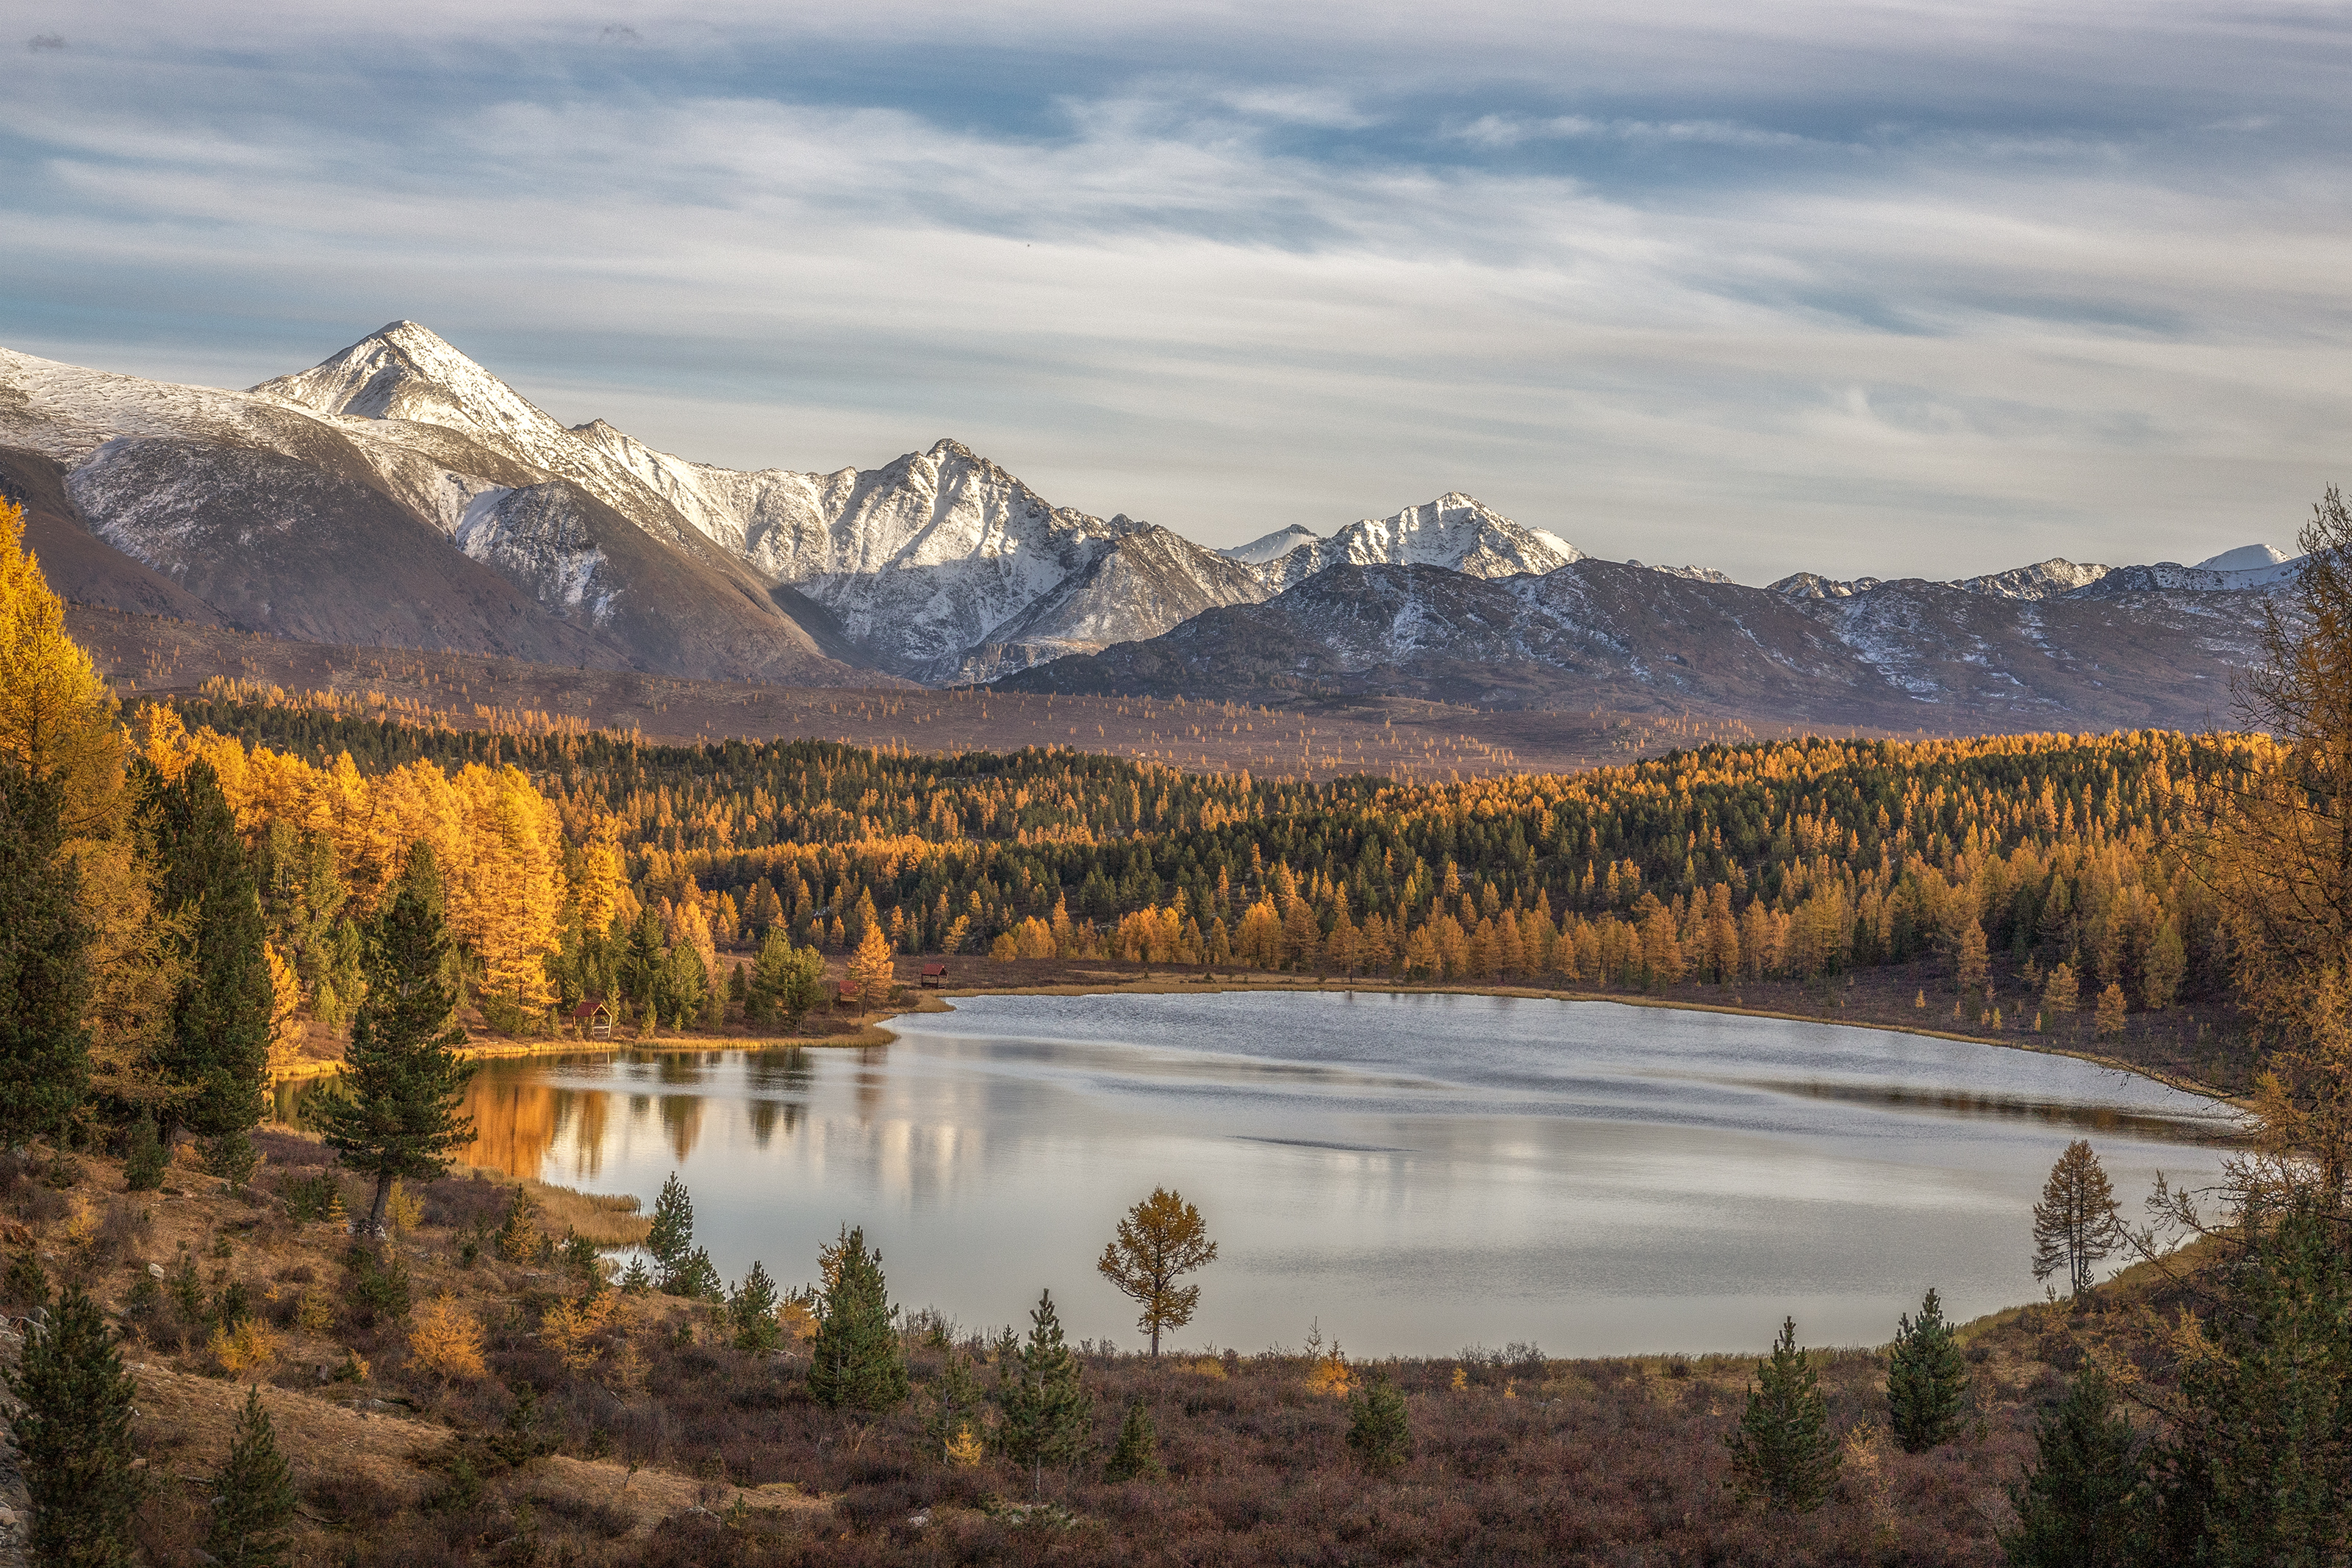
(1904,288)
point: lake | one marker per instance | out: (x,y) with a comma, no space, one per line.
(1416,1173)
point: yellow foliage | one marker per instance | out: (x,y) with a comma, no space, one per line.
(284,1001)
(965,1449)
(447,1339)
(1210,1366)
(402,1210)
(57,716)
(247,1347)
(80,1231)
(1461,1381)
(1330,1374)
(570,1329)
(314,1313)
(871,970)
(798,1323)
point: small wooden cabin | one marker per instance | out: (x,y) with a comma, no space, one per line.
(934,976)
(593,1019)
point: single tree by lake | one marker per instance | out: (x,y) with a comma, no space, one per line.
(393,1113)
(1160,1241)
(1048,1415)
(1927,1378)
(1782,1452)
(2077,1224)
(856,1361)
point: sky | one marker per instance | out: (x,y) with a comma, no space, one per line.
(1899,289)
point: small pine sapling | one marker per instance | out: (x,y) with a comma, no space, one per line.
(1380,1429)
(856,1361)
(1782,1452)
(751,1309)
(145,1160)
(257,1495)
(1926,1379)
(952,1428)
(1137,1457)
(1048,1414)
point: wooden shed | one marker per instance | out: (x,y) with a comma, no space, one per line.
(593,1019)
(934,976)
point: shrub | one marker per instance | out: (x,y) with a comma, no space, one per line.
(310,1197)
(243,1347)
(145,1160)
(383,1291)
(232,1158)
(1380,1432)
(447,1340)
(1137,1457)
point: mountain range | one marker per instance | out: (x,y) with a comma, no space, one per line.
(397,494)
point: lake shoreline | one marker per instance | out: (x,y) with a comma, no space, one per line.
(867,1036)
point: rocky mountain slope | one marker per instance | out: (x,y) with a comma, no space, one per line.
(1596,634)
(1455,531)
(399,493)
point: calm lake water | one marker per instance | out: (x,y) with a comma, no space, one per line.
(1417,1173)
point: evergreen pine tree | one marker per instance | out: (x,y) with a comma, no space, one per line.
(255,1498)
(856,1362)
(45,979)
(1781,1451)
(73,1438)
(2259,1469)
(670,1241)
(1137,1457)
(216,1057)
(144,1161)
(1048,1414)
(953,1429)
(1926,1379)
(753,1309)
(2075,1507)
(1379,1430)
(392,1111)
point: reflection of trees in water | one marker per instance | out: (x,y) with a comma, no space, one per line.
(870,1061)
(681,1117)
(785,1071)
(515,1123)
(766,1113)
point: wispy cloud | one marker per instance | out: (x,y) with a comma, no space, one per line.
(1907,289)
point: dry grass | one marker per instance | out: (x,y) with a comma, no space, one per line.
(631,1431)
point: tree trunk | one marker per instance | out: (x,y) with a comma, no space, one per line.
(383,1197)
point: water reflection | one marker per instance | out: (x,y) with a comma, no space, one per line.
(1418,1172)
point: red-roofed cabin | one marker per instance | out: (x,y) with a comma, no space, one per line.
(848,997)
(935,975)
(593,1019)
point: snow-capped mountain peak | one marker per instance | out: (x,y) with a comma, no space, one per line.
(1455,531)
(2245,558)
(1271,547)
